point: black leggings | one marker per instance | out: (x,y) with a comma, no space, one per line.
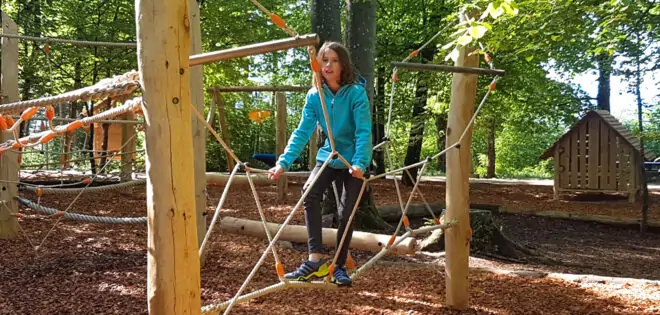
(312,203)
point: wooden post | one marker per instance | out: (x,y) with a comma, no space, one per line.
(198,129)
(457,238)
(224,128)
(280,141)
(173,273)
(9,167)
(128,134)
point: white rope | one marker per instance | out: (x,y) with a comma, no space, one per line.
(66,191)
(111,87)
(81,217)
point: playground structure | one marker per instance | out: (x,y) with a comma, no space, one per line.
(597,154)
(166,104)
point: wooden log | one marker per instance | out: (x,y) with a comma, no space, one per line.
(296,233)
(9,166)
(457,239)
(198,128)
(173,270)
(280,142)
(9,169)
(128,135)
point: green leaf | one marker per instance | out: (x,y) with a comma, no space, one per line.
(509,10)
(496,12)
(464,40)
(557,37)
(487,25)
(478,31)
(655,10)
(529,58)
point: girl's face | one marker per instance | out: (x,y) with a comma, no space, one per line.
(331,66)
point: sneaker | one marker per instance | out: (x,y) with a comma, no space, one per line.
(340,277)
(307,270)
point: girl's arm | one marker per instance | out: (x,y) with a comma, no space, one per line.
(363,142)
(301,135)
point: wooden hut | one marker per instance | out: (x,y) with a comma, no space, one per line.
(597,154)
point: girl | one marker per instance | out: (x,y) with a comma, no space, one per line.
(350,122)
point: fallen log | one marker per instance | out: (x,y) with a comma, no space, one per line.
(259,179)
(295,233)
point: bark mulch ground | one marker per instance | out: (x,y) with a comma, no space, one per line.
(85,268)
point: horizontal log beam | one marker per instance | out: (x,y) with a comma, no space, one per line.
(297,233)
(254,49)
(446,68)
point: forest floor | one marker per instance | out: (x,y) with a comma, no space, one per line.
(85,268)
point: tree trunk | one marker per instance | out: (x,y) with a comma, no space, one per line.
(642,176)
(441,126)
(604,74)
(490,171)
(326,21)
(416,137)
(378,159)
(487,239)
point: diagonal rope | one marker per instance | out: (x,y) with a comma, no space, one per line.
(18,223)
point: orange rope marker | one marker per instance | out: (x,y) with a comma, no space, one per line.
(3,123)
(391,241)
(280,269)
(47,48)
(86,181)
(492,85)
(406,222)
(74,125)
(40,192)
(16,146)
(469,233)
(50,112)
(331,270)
(28,113)
(10,121)
(395,76)
(437,221)
(19,215)
(316,67)
(413,54)
(350,263)
(487,57)
(277,20)
(58,214)
(47,137)
(19,159)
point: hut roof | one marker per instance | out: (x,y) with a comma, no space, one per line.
(612,122)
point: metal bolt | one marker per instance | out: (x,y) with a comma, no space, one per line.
(175,100)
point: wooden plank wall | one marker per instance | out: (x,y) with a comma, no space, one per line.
(595,158)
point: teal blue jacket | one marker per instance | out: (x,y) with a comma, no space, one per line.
(350,117)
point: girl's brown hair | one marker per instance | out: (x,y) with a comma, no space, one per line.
(347,72)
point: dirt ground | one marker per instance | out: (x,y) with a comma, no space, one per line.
(84,268)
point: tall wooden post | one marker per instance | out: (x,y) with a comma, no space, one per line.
(173,273)
(457,238)
(9,167)
(128,134)
(280,141)
(198,129)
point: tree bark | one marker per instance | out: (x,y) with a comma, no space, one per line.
(490,171)
(441,127)
(378,159)
(416,137)
(604,74)
(326,21)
